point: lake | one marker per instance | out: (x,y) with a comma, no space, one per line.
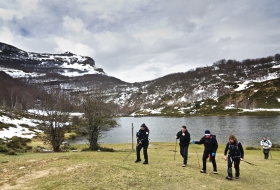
(249,130)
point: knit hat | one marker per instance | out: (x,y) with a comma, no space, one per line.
(207,132)
(143,125)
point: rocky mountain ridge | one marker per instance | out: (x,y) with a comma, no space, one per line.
(187,90)
(65,71)
(178,94)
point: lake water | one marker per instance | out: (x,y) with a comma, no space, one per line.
(249,130)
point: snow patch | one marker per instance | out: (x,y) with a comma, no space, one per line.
(243,86)
(275,66)
(15,73)
(16,129)
(261,109)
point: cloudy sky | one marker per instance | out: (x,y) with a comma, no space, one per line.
(139,40)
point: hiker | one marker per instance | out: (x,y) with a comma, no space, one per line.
(235,155)
(184,138)
(143,142)
(210,147)
(266,144)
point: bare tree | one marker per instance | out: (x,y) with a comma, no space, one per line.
(55,106)
(98,117)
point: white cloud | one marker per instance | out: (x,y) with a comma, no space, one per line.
(148,37)
(64,45)
(6,35)
(28,5)
(9,14)
(74,25)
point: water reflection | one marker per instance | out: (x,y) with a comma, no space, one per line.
(249,130)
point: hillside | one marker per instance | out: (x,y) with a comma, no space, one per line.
(16,94)
(222,85)
(180,93)
(64,71)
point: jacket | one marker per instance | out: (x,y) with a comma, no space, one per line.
(210,144)
(184,140)
(235,149)
(266,144)
(143,136)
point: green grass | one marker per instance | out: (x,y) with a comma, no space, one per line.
(109,170)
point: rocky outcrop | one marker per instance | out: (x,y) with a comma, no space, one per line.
(89,61)
(6,48)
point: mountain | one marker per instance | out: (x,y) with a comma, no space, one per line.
(226,86)
(66,70)
(183,94)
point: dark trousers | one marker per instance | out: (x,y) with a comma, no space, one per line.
(184,153)
(213,160)
(145,151)
(266,153)
(236,161)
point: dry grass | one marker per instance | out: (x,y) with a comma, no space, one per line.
(109,170)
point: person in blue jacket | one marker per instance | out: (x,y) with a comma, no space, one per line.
(143,142)
(184,138)
(210,147)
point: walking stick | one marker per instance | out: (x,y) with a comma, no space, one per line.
(175,149)
(131,142)
(127,155)
(270,154)
(197,159)
(249,163)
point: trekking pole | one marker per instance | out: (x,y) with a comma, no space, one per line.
(249,163)
(127,155)
(175,149)
(197,159)
(131,143)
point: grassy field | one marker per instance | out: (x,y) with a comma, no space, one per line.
(108,170)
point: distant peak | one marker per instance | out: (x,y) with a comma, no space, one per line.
(68,53)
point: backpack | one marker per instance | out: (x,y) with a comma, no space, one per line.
(234,150)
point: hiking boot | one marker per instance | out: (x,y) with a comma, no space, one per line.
(202,171)
(237,177)
(215,172)
(183,165)
(229,178)
(137,161)
(145,162)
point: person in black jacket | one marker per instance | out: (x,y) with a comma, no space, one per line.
(143,142)
(235,155)
(184,137)
(210,147)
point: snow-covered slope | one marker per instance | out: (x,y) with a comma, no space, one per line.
(79,73)
(65,70)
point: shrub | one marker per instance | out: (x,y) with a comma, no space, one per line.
(275,146)
(252,148)
(4,148)
(104,149)
(5,125)
(11,152)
